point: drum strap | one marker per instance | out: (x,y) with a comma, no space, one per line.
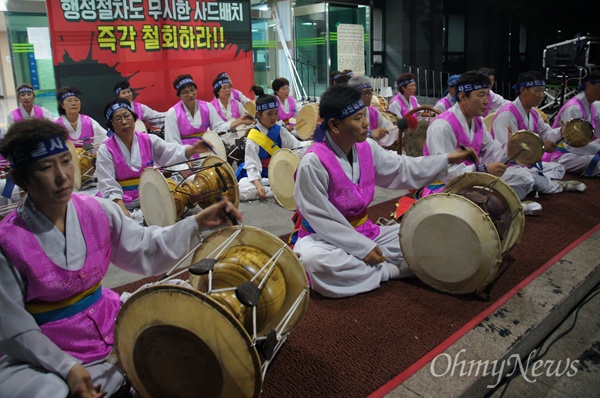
(44,311)
(263,141)
(129,185)
(197,135)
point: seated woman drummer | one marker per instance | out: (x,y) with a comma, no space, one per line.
(57,323)
(262,142)
(285,103)
(125,155)
(145,113)
(229,109)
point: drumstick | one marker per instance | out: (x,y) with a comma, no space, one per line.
(209,146)
(471,157)
(229,214)
(523,147)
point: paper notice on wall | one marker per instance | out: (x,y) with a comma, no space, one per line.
(351,48)
(40,38)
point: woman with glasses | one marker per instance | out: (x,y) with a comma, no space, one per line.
(125,155)
(190,118)
(82,129)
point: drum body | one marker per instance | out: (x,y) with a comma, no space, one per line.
(201,341)
(164,201)
(216,179)
(307,120)
(455,241)
(379,102)
(250,107)
(87,164)
(534,144)
(282,168)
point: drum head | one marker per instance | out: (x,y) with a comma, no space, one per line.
(177,342)
(156,199)
(75,159)
(307,119)
(414,140)
(250,107)
(210,184)
(288,265)
(534,144)
(450,243)
(215,141)
(282,167)
(140,126)
(577,132)
(487,182)
(488,120)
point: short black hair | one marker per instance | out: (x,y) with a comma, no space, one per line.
(279,83)
(26,135)
(109,124)
(473,77)
(122,85)
(180,78)
(403,77)
(338,97)
(488,71)
(67,89)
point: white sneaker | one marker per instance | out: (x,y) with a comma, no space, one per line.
(571,185)
(531,208)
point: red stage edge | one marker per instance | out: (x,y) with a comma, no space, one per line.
(424,360)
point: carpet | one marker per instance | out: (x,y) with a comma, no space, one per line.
(351,347)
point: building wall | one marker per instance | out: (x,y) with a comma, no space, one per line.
(6,67)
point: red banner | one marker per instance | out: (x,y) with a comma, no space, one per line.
(98,43)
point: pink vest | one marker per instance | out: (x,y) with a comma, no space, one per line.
(87,335)
(403,106)
(235,109)
(286,116)
(461,136)
(560,149)
(137,108)
(373,116)
(350,199)
(38,113)
(521,125)
(87,131)
(447,104)
(236,94)
(190,134)
(584,115)
(4,162)
(123,172)
(461,139)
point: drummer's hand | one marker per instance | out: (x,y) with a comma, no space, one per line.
(289,127)
(374,257)
(199,146)
(379,133)
(215,215)
(496,168)
(549,146)
(260,189)
(80,383)
(463,154)
(122,206)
